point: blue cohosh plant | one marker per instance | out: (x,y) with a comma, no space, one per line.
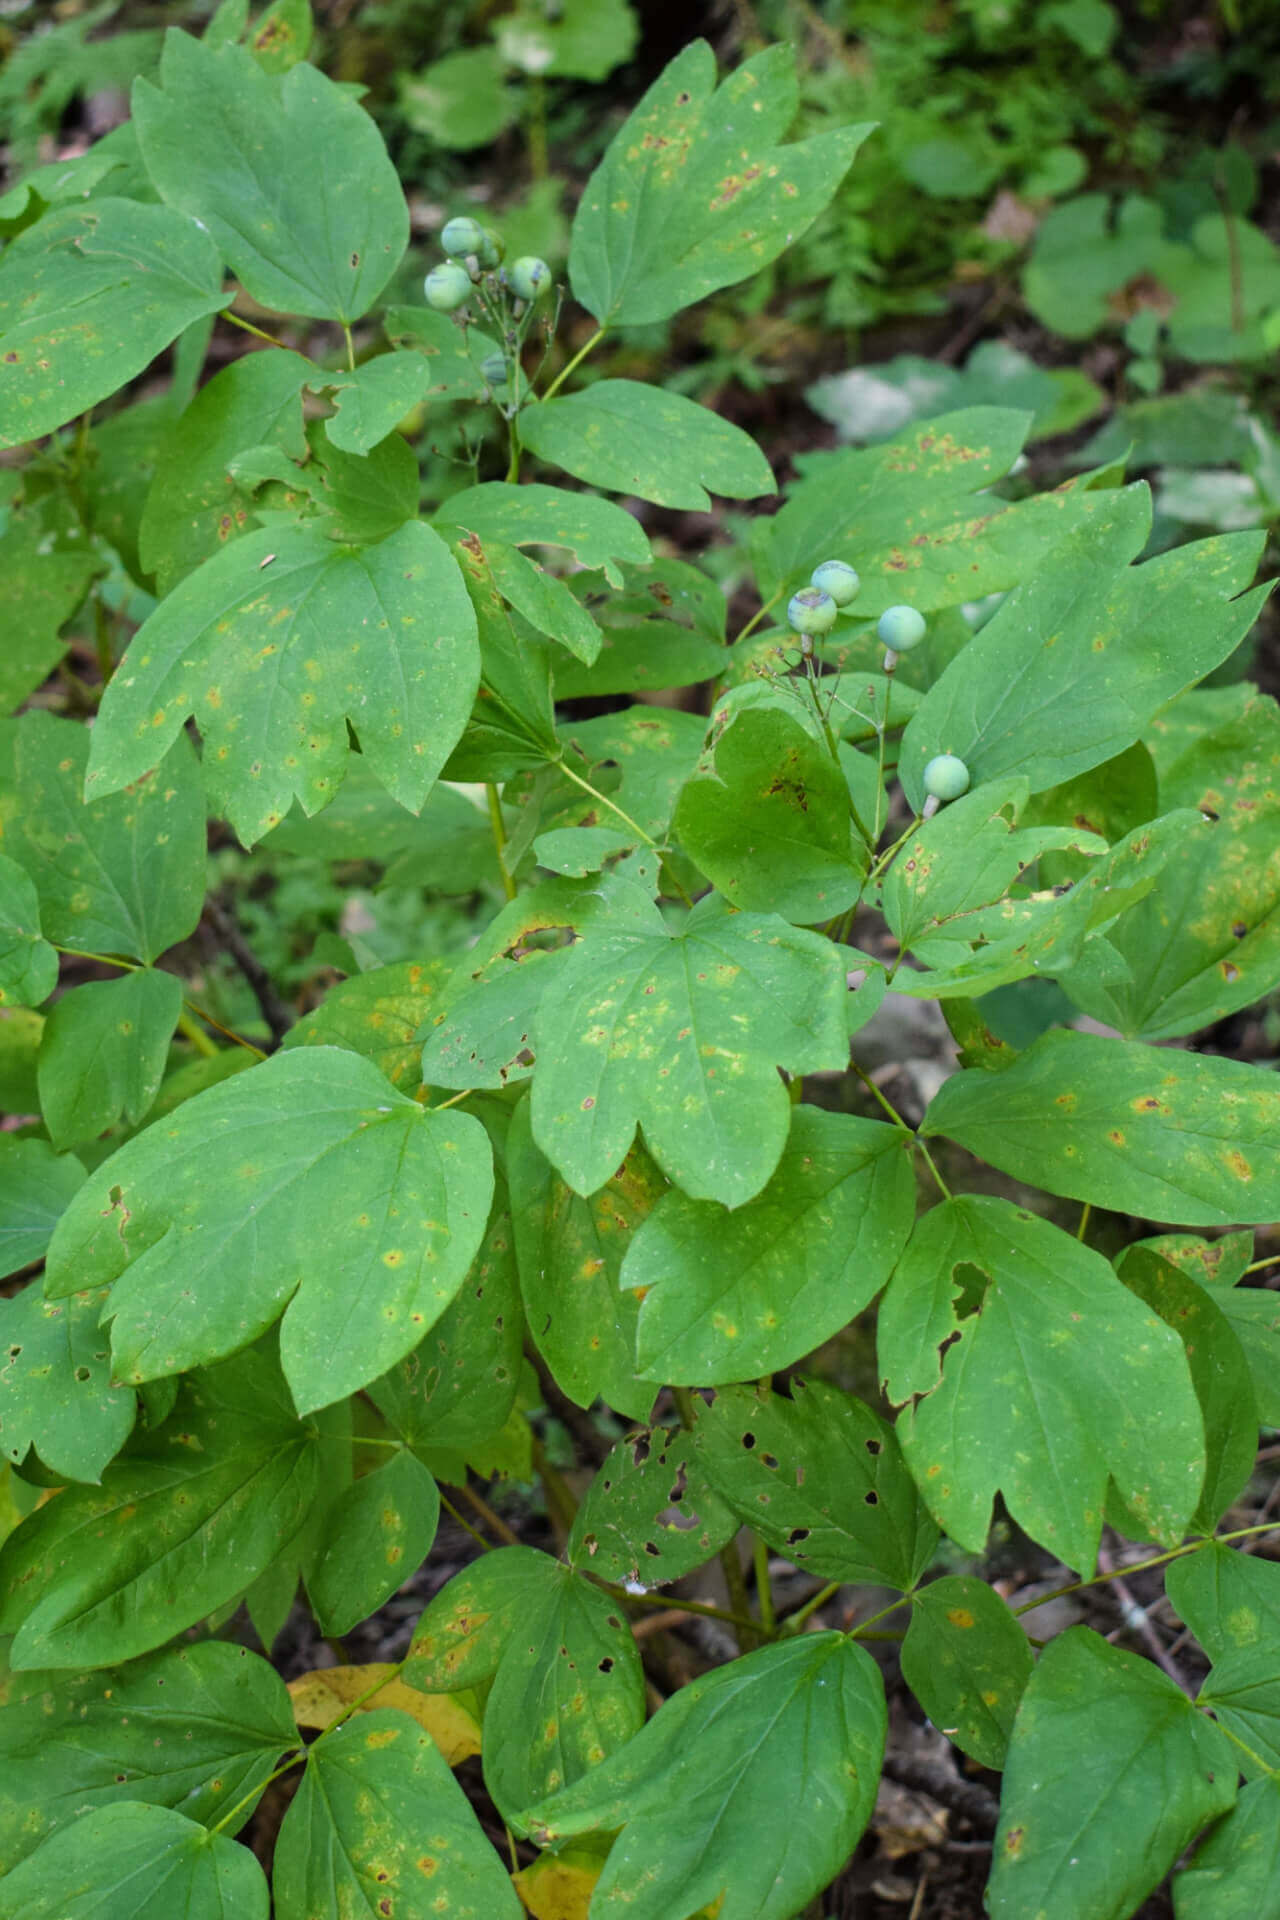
(285,1299)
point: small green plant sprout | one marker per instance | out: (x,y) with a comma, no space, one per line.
(529,277)
(946,777)
(811,611)
(900,628)
(838,579)
(447,287)
(462,235)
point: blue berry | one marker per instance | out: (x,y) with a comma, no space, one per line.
(835,578)
(901,628)
(946,777)
(811,611)
(447,286)
(528,277)
(461,236)
(494,369)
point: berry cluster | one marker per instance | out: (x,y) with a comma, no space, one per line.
(474,251)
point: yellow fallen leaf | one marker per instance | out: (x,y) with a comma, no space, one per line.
(559,1886)
(452,1719)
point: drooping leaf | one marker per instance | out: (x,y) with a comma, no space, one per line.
(207,1226)
(726,1296)
(35,1185)
(967,1661)
(749,1787)
(258,644)
(379,1014)
(197,1727)
(181,1524)
(377,1534)
(1234,1874)
(630,438)
(88,297)
(28,964)
(56,1392)
(681,1035)
(567,1684)
(1029,1353)
(289,175)
(1230,1600)
(124,873)
(103,1053)
(694,192)
(380,1818)
(821,1478)
(1169,1135)
(134,1861)
(194,506)
(651,1514)
(331,1693)
(569,1254)
(1111,1771)
(1071,667)
(767,818)
(597,532)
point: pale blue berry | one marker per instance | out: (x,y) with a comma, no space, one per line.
(837,579)
(901,628)
(461,236)
(811,611)
(946,777)
(528,277)
(447,286)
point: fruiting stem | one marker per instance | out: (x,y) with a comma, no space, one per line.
(573,364)
(499,838)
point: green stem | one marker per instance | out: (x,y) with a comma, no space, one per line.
(351,351)
(758,616)
(627,821)
(135,966)
(249,327)
(513,442)
(860,1630)
(898,1121)
(574,364)
(1256,1266)
(748,1634)
(196,1035)
(794,1621)
(764,1592)
(674,1603)
(1085,1212)
(889,852)
(1142,1566)
(453,1100)
(499,837)
(447,1504)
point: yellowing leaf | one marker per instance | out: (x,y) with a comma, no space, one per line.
(451,1719)
(559,1886)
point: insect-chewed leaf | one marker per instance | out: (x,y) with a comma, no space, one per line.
(88,296)
(258,645)
(28,964)
(1235,1873)
(822,1479)
(56,1391)
(35,1185)
(681,1035)
(1041,1351)
(639,440)
(1069,670)
(596,532)
(182,1523)
(331,1693)
(695,193)
(373,399)
(208,1225)
(651,1514)
(967,1661)
(195,1727)
(726,1296)
(103,1053)
(145,1861)
(1111,1771)
(1167,1135)
(380,1015)
(380,1818)
(745,1793)
(289,175)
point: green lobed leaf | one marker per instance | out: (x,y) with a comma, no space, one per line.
(103,1053)
(727,1296)
(88,297)
(56,1391)
(288,175)
(651,1515)
(377,1535)
(206,1227)
(35,1185)
(380,1818)
(681,1035)
(634,439)
(258,646)
(1165,1134)
(821,1478)
(967,1661)
(694,193)
(767,818)
(28,964)
(133,1861)
(1037,1368)
(120,874)
(750,1787)
(1111,1772)
(1071,667)
(181,1525)
(1234,1874)
(570,1253)
(197,1727)
(597,532)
